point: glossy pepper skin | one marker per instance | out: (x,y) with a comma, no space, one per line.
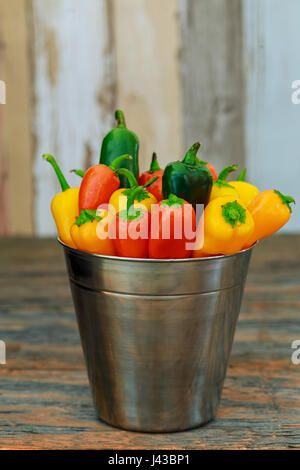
(64,205)
(155,170)
(90,233)
(188,179)
(120,141)
(132,227)
(220,186)
(270,210)
(172,213)
(98,184)
(211,168)
(246,191)
(227,226)
(144,199)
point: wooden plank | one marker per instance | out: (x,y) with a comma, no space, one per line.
(3,180)
(271,48)
(45,398)
(212,78)
(16,185)
(74,92)
(148,82)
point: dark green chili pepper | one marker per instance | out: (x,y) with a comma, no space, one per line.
(119,141)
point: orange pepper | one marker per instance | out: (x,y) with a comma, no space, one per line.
(90,232)
(270,211)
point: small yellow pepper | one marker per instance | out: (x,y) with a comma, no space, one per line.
(64,205)
(144,200)
(270,211)
(227,226)
(118,200)
(246,191)
(220,187)
(90,232)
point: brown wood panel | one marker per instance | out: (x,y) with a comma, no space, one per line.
(16,186)
(45,401)
(212,78)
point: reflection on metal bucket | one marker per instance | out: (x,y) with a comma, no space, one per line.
(156,335)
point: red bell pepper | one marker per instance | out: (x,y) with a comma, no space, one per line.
(131,227)
(98,184)
(173,226)
(155,170)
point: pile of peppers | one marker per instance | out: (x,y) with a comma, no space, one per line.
(118,212)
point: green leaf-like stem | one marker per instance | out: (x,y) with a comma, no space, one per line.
(287,200)
(87,215)
(233,213)
(63,182)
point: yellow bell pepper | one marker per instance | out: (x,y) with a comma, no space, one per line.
(118,200)
(144,199)
(246,191)
(270,211)
(227,226)
(90,232)
(64,205)
(220,187)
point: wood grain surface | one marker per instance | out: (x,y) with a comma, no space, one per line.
(45,401)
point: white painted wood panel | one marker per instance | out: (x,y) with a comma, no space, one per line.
(74,92)
(147,42)
(271,53)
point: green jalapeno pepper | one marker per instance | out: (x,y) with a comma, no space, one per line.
(120,141)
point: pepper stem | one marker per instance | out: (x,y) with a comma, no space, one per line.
(120,118)
(226,172)
(190,156)
(131,178)
(131,197)
(154,164)
(80,173)
(287,200)
(117,161)
(221,181)
(149,182)
(63,182)
(234,213)
(173,200)
(242,175)
(136,193)
(87,215)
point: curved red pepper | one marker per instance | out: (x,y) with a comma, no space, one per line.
(98,184)
(155,170)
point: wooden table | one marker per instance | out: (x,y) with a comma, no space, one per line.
(45,401)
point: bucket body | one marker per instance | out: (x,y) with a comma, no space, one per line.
(156,335)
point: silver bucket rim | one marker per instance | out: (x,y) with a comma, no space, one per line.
(153,260)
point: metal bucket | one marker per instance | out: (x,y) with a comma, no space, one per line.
(156,335)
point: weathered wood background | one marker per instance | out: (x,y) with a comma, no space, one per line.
(215,70)
(45,400)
